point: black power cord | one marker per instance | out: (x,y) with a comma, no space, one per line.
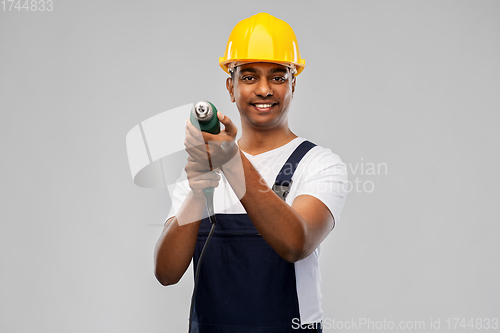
(210,208)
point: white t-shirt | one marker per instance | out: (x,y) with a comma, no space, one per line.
(321,174)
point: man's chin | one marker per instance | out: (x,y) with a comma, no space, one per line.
(264,123)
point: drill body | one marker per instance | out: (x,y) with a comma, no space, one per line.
(204,117)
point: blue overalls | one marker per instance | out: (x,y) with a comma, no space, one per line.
(244,285)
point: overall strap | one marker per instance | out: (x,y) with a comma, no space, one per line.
(284,179)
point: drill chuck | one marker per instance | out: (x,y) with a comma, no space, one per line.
(203,111)
(204,117)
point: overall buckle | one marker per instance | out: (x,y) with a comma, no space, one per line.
(282,190)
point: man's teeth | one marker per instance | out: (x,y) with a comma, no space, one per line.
(263,106)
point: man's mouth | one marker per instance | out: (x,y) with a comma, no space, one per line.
(263,106)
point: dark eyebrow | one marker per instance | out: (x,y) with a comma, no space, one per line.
(249,69)
(279,70)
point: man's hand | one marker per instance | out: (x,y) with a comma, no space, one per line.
(212,150)
(200,177)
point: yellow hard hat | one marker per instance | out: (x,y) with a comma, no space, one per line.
(262,38)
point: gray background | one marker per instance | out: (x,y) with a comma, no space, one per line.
(412,84)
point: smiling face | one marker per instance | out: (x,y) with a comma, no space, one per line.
(263,93)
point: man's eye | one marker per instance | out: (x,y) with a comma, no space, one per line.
(247,78)
(279,79)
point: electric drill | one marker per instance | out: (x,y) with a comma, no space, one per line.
(204,117)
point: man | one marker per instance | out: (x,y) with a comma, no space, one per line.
(261,272)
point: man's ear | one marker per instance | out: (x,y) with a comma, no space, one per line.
(293,84)
(230,88)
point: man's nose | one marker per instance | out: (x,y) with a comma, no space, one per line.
(263,88)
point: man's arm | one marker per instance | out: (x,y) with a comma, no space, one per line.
(295,231)
(176,245)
